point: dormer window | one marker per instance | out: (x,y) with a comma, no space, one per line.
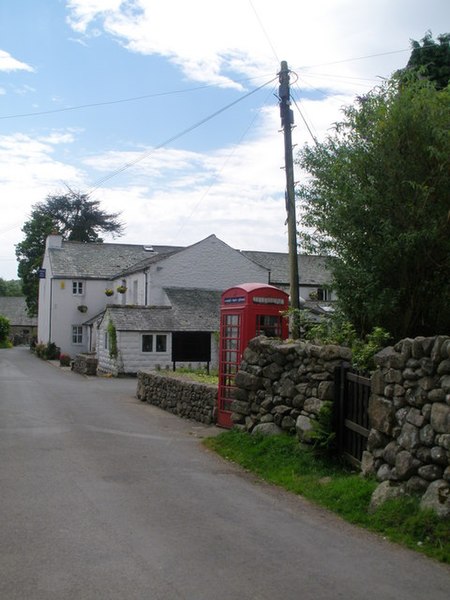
(77,288)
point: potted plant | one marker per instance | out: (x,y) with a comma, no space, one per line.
(109,292)
(122,289)
(82,308)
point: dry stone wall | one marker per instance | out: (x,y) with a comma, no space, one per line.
(183,398)
(409,410)
(282,386)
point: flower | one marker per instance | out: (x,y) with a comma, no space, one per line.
(122,289)
(109,292)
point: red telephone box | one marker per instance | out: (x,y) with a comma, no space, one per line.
(246,311)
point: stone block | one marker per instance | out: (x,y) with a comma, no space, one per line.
(437,498)
(440,417)
(409,437)
(304,428)
(381,414)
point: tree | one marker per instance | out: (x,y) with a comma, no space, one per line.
(431,60)
(12,287)
(72,214)
(378,201)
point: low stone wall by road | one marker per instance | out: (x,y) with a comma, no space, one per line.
(409,444)
(184,398)
(85,363)
(283,385)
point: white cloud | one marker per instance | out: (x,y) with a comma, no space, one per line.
(220,42)
(28,173)
(9,63)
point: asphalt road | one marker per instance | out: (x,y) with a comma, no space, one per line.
(103,497)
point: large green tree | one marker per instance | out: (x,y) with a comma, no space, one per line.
(431,59)
(378,201)
(11,287)
(72,214)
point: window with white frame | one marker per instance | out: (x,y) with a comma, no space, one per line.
(77,334)
(154,343)
(324,295)
(77,288)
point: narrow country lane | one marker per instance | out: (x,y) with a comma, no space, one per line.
(103,497)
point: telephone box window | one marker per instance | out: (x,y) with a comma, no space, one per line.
(269,325)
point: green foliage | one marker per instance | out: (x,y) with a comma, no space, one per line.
(72,214)
(281,460)
(377,201)
(431,60)
(48,351)
(336,329)
(322,435)
(11,287)
(112,339)
(363,351)
(5,328)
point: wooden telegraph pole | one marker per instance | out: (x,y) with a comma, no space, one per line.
(287,121)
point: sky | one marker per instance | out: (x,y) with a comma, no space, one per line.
(167,111)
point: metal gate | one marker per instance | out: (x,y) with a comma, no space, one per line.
(352,413)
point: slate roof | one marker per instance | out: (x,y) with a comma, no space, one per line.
(312,270)
(14,308)
(108,261)
(190,310)
(100,260)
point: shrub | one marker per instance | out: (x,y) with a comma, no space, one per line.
(4,328)
(64,360)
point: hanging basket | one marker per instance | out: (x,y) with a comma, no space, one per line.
(109,292)
(122,289)
(82,308)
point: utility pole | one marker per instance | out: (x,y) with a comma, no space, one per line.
(287,121)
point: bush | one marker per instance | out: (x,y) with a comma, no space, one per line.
(48,351)
(64,360)
(4,328)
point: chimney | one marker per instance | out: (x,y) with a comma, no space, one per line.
(54,240)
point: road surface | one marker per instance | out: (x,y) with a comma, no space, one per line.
(104,497)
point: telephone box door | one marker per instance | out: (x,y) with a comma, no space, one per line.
(230,353)
(248,310)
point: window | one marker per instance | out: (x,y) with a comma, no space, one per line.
(106,340)
(147,343)
(269,325)
(154,343)
(77,288)
(161,343)
(77,334)
(324,295)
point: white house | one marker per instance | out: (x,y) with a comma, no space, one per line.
(163,282)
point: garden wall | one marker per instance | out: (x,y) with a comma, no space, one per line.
(282,386)
(181,397)
(409,410)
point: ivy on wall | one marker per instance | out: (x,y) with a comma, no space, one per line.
(112,334)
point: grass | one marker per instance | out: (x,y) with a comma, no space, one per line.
(281,460)
(198,375)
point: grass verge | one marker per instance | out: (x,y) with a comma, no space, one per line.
(281,460)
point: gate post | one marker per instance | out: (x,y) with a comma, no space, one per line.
(340,379)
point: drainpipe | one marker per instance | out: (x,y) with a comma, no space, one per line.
(50,313)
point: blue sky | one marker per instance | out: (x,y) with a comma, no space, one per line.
(154,69)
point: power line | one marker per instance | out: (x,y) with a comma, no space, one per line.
(97,184)
(121,100)
(264,31)
(194,89)
(228,158)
